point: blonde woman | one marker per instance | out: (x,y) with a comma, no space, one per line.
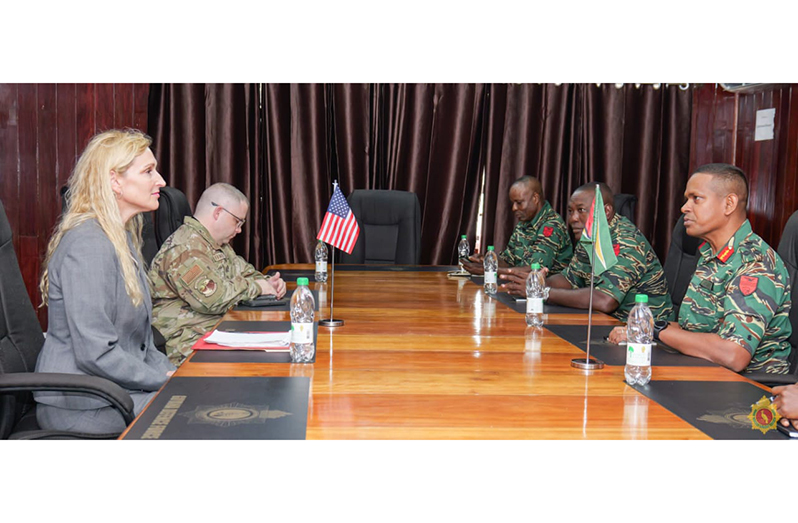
(95,286)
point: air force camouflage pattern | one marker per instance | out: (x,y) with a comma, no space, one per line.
(543,239)
(743,295)
(638,271)
(194,281)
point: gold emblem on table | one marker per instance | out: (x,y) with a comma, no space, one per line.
(763,415)
(734,417)
(231,414)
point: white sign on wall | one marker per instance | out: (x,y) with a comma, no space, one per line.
(765,124)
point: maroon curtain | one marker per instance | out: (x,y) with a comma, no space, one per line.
(422,138)
(283,145)
(208,133)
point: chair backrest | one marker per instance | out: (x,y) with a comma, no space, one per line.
(173,208)
(390,227)
(21,336)
(680,263)
(788,251)
(625,205)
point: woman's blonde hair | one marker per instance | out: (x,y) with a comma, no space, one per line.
(89,196)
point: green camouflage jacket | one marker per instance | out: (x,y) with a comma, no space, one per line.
(638,271)
(743,295)
(543,239)
(194,281)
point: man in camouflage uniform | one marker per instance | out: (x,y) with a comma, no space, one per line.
(637,271)
(736,309)
(539,237)
(196,276)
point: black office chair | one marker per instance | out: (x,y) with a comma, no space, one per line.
(625,205)
(21,339)
(390,228)
(680,263)
(173,208)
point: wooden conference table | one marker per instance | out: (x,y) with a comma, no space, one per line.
(422,356)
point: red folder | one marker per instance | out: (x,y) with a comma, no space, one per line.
(201,344)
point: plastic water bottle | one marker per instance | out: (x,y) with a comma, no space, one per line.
(302,311)
(321,261)
(463,250)
(639,333)
(535,294)
(491,264)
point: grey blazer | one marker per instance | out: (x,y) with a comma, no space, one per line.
(93,327)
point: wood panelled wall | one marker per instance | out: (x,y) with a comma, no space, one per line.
(723,130)
(43,129)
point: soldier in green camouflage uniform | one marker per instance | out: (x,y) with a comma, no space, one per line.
(539,237)
(742,294)
(637,271)
(543,239)
(736,309)
(196,276)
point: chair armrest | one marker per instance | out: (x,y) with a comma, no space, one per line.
(772,380)
(59,382)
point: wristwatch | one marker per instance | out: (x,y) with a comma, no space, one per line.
(659,326)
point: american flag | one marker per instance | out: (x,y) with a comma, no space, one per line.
(339,228)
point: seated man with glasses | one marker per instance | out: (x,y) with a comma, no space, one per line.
(196,276)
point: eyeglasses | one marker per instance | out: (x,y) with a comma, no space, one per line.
(240,223)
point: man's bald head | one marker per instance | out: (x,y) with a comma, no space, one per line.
(222,210)
(526,195)
(727,179)
(222,194)
(532,183)
(606,193)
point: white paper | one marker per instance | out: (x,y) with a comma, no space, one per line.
(250,339)
(765,124)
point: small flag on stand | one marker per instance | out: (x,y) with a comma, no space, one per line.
(339,228)
(597,225)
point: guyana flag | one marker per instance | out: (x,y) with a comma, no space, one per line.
(598,230)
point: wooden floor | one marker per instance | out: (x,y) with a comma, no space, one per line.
(422,356)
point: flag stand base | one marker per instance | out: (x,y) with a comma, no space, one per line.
(330,322)
(587,364)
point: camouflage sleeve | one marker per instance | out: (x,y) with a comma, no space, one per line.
(750,302)
(512,253)
(247,270)
(576,269)
(619,279)
(201,283)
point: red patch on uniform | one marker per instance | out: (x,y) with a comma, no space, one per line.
(617,248)
(547,231)
(748,284)
(725,254)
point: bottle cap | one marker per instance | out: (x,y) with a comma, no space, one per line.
(535,266)
(490,247)
(463,236)
(641,298)
(301,281)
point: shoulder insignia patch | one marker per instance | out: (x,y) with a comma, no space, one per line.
(206,287)
(725,254)
(748,284)
(191,274)
(547,231)
(616,247)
